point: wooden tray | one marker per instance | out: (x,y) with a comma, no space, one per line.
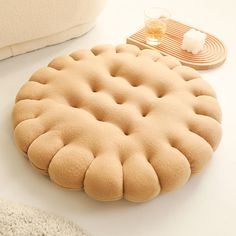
(213,54)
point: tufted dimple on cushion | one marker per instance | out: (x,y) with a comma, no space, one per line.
(117,122)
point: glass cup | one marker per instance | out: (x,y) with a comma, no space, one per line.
(155,24)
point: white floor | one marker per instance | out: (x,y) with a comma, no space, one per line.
(205,206)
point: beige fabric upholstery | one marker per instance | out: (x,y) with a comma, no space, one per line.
(19,220)
(118,122)
(26,25)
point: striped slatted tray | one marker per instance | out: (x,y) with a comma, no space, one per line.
(213,54)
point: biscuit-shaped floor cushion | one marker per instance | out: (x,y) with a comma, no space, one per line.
(117,122)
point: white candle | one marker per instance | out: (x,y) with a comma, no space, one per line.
(193,41)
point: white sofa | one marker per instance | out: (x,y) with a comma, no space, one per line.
(26,25)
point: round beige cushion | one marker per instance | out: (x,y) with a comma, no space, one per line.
(117,122)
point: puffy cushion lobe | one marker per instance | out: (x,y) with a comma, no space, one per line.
(118,122)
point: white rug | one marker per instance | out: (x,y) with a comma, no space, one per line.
(17,219)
